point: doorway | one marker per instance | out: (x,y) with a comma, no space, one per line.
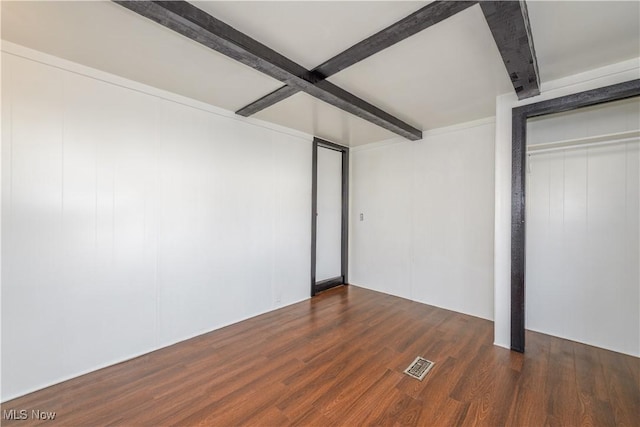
(582,239)
(520,115)
(329,215)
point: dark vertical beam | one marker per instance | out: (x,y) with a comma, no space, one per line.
(345,215)
(423,18)
(189,21)
(314,212)
(509,24)
(617,92)
(518,260)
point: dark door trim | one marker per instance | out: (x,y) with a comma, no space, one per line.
(343,278)
(519,118)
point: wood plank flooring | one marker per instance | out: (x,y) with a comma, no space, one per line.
(338,360)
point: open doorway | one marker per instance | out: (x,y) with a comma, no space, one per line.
(520,116)
(329,215)
(582,219)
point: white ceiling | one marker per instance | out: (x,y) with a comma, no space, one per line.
(306,113)
(108,37)
(309,32)
(447,74)
(574,36)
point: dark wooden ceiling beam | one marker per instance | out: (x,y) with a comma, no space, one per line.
(421,19)
(509,24)
(194,23)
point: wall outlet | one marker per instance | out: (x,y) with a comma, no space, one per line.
(361,217)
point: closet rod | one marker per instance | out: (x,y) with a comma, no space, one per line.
(584,145)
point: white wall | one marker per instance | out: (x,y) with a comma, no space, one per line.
(133,219)
(614,119)
(582,246)
(608,75)
(427,232)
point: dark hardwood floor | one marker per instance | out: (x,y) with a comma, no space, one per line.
(338,360)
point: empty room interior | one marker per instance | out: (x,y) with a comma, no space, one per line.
(317,213)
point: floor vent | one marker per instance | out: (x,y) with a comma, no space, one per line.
(419,368)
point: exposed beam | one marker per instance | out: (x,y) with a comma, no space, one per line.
(191,22)
(267,101)
(509,24)
(421,19)
(616,92)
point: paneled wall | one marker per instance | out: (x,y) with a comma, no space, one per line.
(131,221)
(427,228)
(583,236)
